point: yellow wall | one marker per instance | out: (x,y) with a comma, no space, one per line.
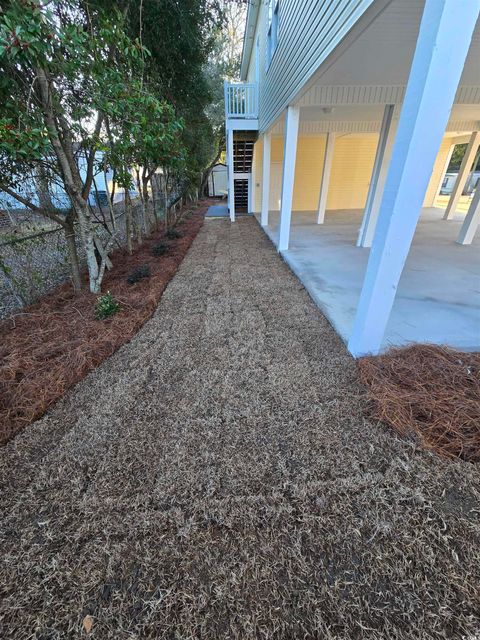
(257,175)
(351,170)
(308,172)
(352,166)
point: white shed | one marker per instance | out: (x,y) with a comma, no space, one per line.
(217,181)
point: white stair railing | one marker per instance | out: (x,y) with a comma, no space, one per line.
(241,100)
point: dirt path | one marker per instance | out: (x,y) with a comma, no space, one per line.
(216,478)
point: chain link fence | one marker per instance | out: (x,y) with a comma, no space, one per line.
(30,265)
(34,254)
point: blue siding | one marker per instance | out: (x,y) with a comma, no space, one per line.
(309,30)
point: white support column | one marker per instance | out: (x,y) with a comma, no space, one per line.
(327,169)
(288,178)
(379,176)
(463,174)
(442,46)
(444,171)
(253,181)
(472,220)
(267,146)
(230,170)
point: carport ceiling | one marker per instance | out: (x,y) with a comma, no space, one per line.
(382,55)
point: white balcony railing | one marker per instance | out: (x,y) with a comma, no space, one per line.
(241,100)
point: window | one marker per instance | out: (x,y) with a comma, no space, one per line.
(272,33)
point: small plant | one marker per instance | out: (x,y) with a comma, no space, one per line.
(139,274)
(160,249)
(172,234)
(106,306)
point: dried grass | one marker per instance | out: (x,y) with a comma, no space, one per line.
(430,393)
(217,478)
(53,344)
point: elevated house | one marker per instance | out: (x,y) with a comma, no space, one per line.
(339,136)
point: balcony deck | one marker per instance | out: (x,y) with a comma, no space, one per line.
(241,105)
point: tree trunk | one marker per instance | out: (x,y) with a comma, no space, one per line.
(160,195)
(99,206)
(208,170)
(85,223)
(142,207)
(147,206)
(63,148)
(166,199)
(114,184)
(128,220)
(154,200)
(69,231)
(137,220)
(110,204)
(43,191)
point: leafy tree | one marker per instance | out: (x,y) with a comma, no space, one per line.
(457,157)
(135,81)
(142,132)
(183,40)
(56,63)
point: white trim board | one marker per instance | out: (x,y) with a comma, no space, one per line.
(367,126)
(326,96)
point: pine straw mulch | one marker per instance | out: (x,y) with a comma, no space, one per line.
(429,393)
(54,343)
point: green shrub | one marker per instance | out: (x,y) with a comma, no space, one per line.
(160,249)
(106,306)
(173,234)
(139,274)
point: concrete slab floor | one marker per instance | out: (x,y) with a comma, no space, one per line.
(217,211)
(221,211)
(438,298)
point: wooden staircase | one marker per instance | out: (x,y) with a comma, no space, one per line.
(242,163)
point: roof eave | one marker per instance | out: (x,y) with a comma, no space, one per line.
(248,38)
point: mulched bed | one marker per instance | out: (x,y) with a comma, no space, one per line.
(429,393)
(54,343)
